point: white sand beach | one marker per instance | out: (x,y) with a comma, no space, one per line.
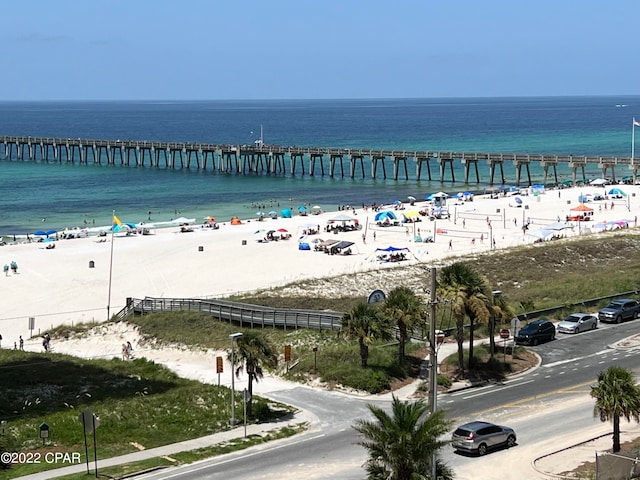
(58,286)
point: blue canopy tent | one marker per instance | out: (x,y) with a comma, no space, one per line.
(285,213)
(387,214)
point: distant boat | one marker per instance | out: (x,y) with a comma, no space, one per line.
(621,105)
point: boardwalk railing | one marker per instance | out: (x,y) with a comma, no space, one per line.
(240,314)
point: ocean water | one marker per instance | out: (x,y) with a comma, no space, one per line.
(35,195)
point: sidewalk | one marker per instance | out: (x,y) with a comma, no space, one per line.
(167,450)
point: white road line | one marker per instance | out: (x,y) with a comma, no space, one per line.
(576,359)
(498,389)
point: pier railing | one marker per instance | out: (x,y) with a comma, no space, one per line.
(240,314)
(274,159)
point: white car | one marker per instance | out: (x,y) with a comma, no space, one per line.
(578,322)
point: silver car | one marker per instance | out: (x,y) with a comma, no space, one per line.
(578,322)
(480,437)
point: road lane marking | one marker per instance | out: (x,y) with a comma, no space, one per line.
(497,389)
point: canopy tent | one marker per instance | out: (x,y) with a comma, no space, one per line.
(392,249)
(411,216)
(391,254)
(541,234)
(616,192)
(598,181)
(45,234)
(557,226)
(381,216)
(342,218)
(582,208)
(286,213)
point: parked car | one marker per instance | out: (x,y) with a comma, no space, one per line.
(480,437)
(535,332)
(578,322)
(619,310)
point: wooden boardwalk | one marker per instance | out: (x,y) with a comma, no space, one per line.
(293,160)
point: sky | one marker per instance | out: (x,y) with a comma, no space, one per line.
(325,49)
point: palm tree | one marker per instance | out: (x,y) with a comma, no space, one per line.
(616,396)
(402,445)
(467,291)
(500,311)
(253,351)
(407,312)
(365,323)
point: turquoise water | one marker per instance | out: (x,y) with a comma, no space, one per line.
(74,195)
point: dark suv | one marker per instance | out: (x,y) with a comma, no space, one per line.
(535,332)
(619,310)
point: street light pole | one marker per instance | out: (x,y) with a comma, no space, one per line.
(233,338)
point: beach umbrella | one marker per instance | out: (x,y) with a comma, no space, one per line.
(316,207)
(502,188)
(460,195)
(260,214)
(397,202)
(411,198)
(441,194)
(40,232)
(302,208)
(286,213)
(283,230)
(518,200)
(598,181)
(430,196)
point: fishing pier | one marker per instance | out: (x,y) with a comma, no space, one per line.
(260,158)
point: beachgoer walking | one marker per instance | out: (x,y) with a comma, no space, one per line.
(46,342)
(450,244)
(473,241)
(0,340)
(124,352)
(464,223)
(14,266)
(481,237)
(406,231)
(611,205)
(374,236)
(129,349)
(6,269)
(364,238)
(21,343)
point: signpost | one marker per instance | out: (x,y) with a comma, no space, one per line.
(504,335)
(89,424)
(44,432)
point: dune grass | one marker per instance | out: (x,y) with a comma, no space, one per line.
(138,403)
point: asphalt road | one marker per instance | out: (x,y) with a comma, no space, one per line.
(531,402)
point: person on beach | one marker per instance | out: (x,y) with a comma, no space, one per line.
(450,244)
(14,266)
(124,352)
(46,342)
(21,343)
(6,270)
(129,349)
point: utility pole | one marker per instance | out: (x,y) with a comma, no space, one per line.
(433,358)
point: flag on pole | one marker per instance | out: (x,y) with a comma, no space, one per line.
(635,122)
(116,220)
